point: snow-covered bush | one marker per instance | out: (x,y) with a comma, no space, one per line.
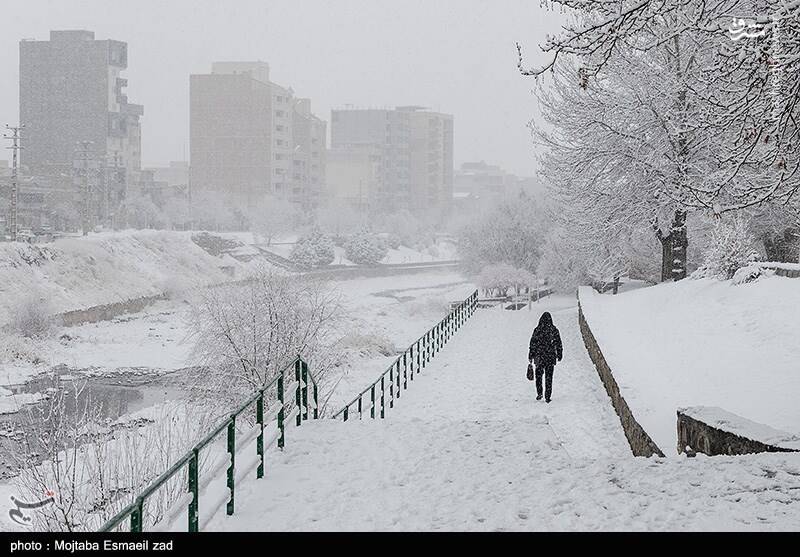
(367,345)
(732,247)
(750,273)
(394,241)
(175,287)
(314,250)
(32,316)
(364,248)
(92,468)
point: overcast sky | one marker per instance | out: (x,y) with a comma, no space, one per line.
(455,56)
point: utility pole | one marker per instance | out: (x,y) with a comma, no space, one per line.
(111,178)
(83,157)
(15,138)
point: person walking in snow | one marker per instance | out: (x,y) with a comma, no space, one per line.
(544,351)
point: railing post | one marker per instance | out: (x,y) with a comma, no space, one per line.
(232,467)
(137,516)
(281,413)
(346,409)
(397,374)
(419,359)
(405,369)
(428,346)
(260,438)
(359,407)
(391,386)
(304,369)
(372,399)
(193,489)
(298,395)
(316,401)
(383,413)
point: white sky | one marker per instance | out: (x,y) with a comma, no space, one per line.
(456,56)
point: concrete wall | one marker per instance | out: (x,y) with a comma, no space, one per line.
(696,436)
(640,442)
(107,311)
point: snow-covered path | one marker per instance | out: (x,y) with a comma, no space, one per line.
(467,447)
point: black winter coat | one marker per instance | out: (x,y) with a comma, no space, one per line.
(545,346)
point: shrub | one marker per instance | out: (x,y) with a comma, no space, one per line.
(32,316)
(314,250)
(394,241)
(750,273)
(731,248)
(364,248)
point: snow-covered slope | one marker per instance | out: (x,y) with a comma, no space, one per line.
(75,273)
(703,343)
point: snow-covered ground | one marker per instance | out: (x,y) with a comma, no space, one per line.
(703,342)
(467,447)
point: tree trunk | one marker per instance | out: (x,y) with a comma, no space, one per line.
(674,247)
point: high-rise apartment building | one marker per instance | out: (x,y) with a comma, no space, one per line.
(251,137)
(71,90)
(414,149)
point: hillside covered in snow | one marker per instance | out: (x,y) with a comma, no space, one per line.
(75,273)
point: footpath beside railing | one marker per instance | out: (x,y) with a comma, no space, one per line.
(189,464)
(397,377)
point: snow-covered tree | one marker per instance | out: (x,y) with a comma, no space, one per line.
(501,278)
(139,211)
(513,232)
(246,334)
(272,217)
(745,87)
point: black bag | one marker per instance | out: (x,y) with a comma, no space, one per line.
(530,372)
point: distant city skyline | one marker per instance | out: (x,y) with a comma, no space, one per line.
(337,60)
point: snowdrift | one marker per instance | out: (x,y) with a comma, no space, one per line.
(703,343)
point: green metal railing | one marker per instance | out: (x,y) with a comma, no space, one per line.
(397,377)
(191,460)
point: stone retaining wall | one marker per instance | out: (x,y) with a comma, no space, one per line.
(640,442)
(697,436)
(106,312)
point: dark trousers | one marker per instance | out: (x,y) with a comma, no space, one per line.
(547,371)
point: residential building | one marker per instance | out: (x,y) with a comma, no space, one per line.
(250,137)
(482,182)
(414,149)
(354,175)
(71,91)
